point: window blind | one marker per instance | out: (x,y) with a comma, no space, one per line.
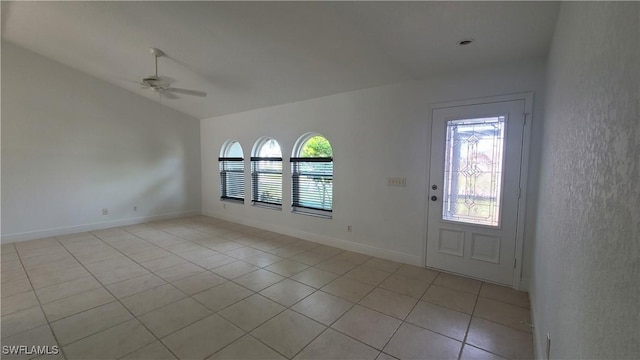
(312,182)
(266,176)
(232,178)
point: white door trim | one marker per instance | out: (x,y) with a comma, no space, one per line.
(524,171)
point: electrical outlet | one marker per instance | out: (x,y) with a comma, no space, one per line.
(105,211)
(349,228)
(397,181)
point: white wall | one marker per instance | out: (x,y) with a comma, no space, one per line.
(586,285)
(73,145)
(375,133)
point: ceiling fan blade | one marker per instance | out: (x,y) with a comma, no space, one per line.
(168,95)
(187,91)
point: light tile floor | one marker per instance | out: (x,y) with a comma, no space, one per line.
(204,288)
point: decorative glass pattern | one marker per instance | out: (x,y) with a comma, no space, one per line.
(474,157)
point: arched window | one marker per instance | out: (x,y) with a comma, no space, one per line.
(231,163)
(312,175)
(266,173)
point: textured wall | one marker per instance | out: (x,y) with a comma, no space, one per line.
(586,260)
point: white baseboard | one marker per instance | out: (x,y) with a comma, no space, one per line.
(323,239)
(39,234)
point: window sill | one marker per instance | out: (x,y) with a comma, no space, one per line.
(314,213)
(267,206)
(234,201)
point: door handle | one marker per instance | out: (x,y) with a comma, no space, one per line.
(434,198)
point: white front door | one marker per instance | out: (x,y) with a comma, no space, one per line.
(474,189)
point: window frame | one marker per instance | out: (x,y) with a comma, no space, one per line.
(296,173)
(256,161)
(223,162)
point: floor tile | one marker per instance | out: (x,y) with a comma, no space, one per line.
(440,319)
(339,267)
(163,263)
(301,330)
(167,319)
(58,277)
(384,356)
(241,253)
(152,299)
(412,342)
(263,259)
(35,244)
(199,282)
(348,289)
(15,287)
(326,250)
(111,343)
(89,322)
(333,345)
(153,351)
(309,258)
(367,275)
(57,265)
(382,264)
(472,353)
(215,261)
(323,307)
(18,302)
(500,339)
(389,302)
(247,314)
(135,285)
(458,283)
(7,248)
(505,295)
(315,277)
(371,327)
(66,289)
(287,292)
(203,338)
(221,296)
(59,309)
(287,267)
(179,272)
(44,258)
(352,257)
(149,254)
(405,286)
(120,273)
(13,275)
(502,313)
(40,336)
(417,273)
(449,298)
(21,321)
(286,251)
(11,265)
(235,269)
(258,279)
(247,348)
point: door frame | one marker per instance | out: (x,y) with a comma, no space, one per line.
(524,171)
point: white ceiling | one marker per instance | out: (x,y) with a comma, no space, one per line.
(249,55)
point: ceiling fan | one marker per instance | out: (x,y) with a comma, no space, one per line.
(161,85)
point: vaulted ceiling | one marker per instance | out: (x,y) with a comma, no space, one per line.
(248,55)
